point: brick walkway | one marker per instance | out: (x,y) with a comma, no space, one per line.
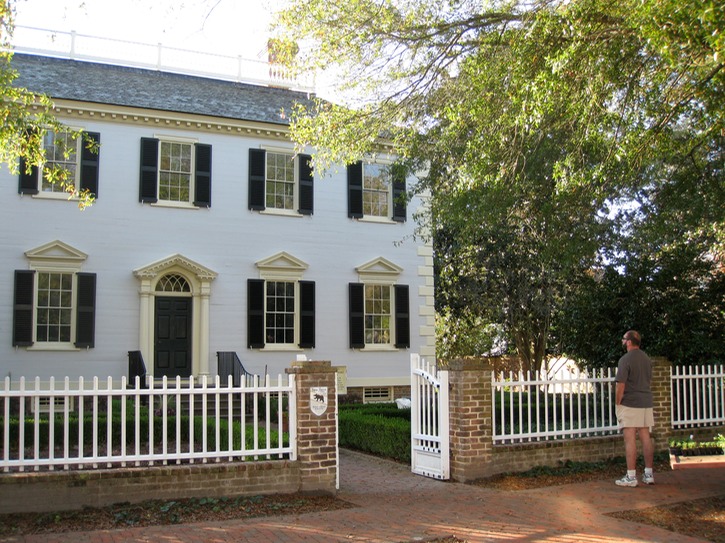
(394,506)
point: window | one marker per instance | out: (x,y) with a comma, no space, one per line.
(377,314)
(280,181)
(69,151)
(280,312)
(175,172)
(61,151)
(377,395)
(379,308)
(280,305)
(54,307)
(376,191)
(175,179)
(280,191)
(54,304)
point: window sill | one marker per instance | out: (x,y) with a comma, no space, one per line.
(53,347)
(379,348)
(270,348)
(280,213)
(174,205)
(378,220)
(58,196)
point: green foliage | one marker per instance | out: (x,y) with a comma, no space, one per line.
(201,427)
(376,429)
(27,117)
(533,124)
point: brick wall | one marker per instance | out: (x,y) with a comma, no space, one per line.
(313,470)
(473,454)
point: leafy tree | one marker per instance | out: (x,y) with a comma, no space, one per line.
(26,119)
(533,121)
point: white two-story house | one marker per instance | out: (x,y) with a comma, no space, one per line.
(208,234)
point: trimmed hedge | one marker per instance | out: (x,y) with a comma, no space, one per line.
(116,425)
(379,429)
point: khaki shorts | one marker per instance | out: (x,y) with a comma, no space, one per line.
(635,417)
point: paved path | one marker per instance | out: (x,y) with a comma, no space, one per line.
(395,506)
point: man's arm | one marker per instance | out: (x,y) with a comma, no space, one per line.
(620,393)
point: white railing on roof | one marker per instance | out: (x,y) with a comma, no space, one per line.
(698,396)
(82,425)
(42,41)
(543,407)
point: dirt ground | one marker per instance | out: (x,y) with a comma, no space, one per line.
(704,518)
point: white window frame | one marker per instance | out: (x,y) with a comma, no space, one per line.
(188,204)
(283,267)
(58,193)
(55,257)
(380,272)
(296,172)
(377,394)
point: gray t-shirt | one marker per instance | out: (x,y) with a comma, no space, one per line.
(635,371)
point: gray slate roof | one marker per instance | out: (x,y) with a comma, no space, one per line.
(123,86)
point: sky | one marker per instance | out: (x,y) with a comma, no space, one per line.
(229,27)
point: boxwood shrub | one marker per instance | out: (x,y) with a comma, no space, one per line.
(379,429)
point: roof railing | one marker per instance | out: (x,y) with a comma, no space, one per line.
(75,46)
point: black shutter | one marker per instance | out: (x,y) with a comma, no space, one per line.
(402,316)
(255,313)
(28,182)
(148,182)
(202,176)
(257,159)
(399,196)
(86,310)
(307,193)
(307,314)
(23,308)
(354,190)
(90,160)
(357,315)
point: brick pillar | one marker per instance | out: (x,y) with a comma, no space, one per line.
(662,401)
(317,449)
(471,411)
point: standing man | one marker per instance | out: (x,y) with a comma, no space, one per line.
(634,408)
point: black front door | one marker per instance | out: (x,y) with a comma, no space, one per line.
(172,330)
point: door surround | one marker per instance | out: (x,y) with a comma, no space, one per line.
(199,279)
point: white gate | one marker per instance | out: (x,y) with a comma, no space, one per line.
(429,419)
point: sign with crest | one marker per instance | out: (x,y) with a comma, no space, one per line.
(318,400)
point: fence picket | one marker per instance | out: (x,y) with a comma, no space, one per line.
(62,426)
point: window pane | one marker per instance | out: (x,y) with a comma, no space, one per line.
(61,152)
(280,312)
(377,314)
(376,190)
(55,307)
(280,185)
(175,170)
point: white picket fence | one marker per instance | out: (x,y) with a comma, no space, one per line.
(542,407)
(698,396)
(539,407)
(83,425)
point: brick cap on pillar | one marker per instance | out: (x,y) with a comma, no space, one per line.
(470,364)
(661,361)
(311,366)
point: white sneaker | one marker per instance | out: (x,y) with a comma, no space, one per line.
(627,481)
(648,478)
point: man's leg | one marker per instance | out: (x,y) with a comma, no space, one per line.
(630,447)
(648,450)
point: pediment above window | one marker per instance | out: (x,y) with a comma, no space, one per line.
(175,262)
(281,266)
(56,252)
(379,270)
